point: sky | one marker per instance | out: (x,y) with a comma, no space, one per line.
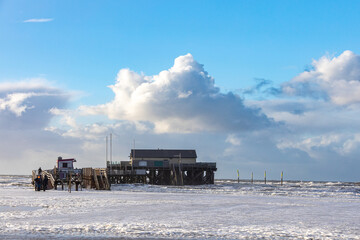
(251,85)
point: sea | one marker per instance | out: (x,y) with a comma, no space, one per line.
(227,209)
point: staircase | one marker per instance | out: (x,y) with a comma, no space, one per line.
(101,179)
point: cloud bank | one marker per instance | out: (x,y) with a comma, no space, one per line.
(318,138)
(183,99)
(24,113)
(320,110)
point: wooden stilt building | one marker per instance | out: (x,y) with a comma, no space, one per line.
(162,167)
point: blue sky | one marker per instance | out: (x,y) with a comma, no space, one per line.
(77,48)
(88,42)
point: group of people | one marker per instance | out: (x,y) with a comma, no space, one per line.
(41,182)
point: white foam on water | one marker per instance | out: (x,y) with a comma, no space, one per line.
(226,210)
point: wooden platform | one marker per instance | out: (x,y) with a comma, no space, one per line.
(165,174)
(85,178)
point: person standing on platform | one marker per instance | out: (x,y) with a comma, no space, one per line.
(38,183)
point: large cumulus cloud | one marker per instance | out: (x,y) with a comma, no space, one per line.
(181,99)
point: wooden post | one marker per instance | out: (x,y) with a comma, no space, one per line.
(252,178)
(69,187)
(265,177)
(238,176)
(180,171)
(282,175)
(55,184)
(33,177)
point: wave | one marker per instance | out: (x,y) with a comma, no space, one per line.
(15,181)
(226,186)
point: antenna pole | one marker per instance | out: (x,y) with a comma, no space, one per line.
(110,147)
(107,150)
(110,152)
(132,163)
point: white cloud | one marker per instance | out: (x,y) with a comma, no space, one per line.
(14,103)
(184,95)
(17,97)
(182,99)
(24,113)
(311,145)
(84,132)
(26,85)
(319,111)
(68,125)
(322,120)
(336,79)
(38,20)
(19,102)
(67,116)
(351,144)
(340,145)
(233,140)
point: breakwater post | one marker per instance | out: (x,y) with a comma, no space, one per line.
(238,176)
(265,177)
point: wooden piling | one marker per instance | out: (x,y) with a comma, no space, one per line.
(165,174)
(252,178)
(282,175)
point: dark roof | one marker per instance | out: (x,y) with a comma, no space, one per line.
(163,153)
(68,159)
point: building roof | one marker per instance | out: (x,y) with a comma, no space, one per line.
(163,153)
(69,159)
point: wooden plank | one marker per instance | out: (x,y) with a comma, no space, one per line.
(96,180)
(107,184)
